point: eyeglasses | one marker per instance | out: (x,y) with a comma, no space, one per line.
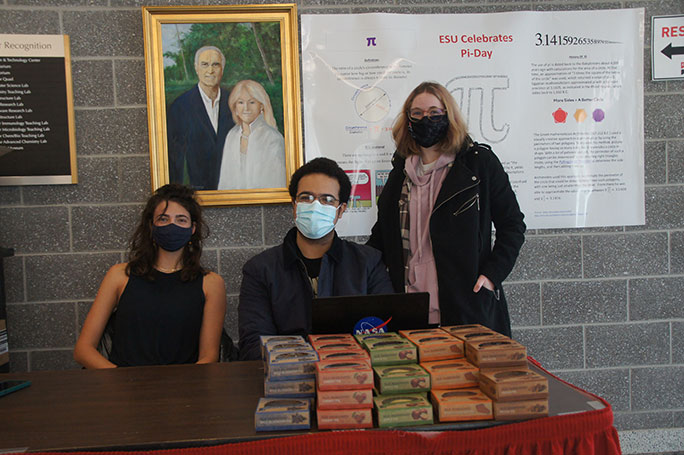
(434,114)
(325,199)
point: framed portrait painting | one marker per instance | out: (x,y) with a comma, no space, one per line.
(223,100)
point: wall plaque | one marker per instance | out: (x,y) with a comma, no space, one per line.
(37,139)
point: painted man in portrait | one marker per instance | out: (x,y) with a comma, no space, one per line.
(197,124)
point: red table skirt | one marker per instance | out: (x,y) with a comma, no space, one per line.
(585,433)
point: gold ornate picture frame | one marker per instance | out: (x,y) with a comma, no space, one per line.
(223,100)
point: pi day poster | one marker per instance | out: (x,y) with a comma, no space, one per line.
(557,95)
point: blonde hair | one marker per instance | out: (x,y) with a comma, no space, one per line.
(256,91)
(457,132)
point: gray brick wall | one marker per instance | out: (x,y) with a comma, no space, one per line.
(599,307)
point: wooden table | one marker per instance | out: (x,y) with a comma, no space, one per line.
(165,407)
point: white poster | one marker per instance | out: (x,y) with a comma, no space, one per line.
(557,95)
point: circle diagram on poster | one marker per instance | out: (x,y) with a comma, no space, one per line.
(372,103)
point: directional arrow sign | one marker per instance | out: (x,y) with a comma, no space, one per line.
(667,47)
(669,50)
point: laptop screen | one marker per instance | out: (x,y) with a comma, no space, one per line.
(394,312)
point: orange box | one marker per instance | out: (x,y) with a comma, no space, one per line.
(344,399)
(334,419)
(481,335)
(514,385)
(457,329)
(335,337)
(438,347)
(344,375)
(496,353)
(451,374)
(339,346)
(518,410)
(345,356)
(461,405)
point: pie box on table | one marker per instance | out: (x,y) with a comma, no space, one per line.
(451,374)
(390,379)
(434,344)
(297,364)
(363,337)
(496,353)
(514,385)
(290,388)
(402,410)
(351,356)
(342,419)
(344,399)
(456,330)
(276,414)
(338,347)
(461,405)
(267,340)
(390,351)
(517,410)
(333,375)
(334,338)
(481,336)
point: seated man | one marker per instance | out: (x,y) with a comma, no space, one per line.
(279,284)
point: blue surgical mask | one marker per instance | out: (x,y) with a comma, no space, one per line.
(315,220)
(171,237)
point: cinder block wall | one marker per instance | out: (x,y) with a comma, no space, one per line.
(600,307)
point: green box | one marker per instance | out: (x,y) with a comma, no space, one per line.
(391,351)
(401,379)
(403,410)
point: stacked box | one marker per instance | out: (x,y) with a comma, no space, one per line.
(344,383)
(395,379)
(451,374)
(516,393)
(390,351)
(289,364)
(402,410)
(461,405)
(457,330)
(277,414)
(496,353)
(434,344)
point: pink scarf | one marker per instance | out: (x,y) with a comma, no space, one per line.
(422,273)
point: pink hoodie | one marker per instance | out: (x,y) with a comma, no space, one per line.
(422,274)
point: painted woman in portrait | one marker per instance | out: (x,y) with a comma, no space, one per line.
(254,151)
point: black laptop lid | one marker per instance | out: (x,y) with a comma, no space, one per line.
(398,311)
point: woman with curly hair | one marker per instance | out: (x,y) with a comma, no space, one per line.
(167,308)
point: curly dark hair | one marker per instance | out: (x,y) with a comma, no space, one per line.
(143,249)
(324,166)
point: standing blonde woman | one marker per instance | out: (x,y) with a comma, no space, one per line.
(254,152)
(436,211)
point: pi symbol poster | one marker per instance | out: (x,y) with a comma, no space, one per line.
(557,95)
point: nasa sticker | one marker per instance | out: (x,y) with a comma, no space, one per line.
(370,324)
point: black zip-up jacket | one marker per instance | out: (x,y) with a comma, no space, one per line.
(475,192)
(276,293)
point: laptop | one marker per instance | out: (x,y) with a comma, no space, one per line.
(349,314)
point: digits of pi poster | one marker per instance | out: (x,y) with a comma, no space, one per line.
(557,95)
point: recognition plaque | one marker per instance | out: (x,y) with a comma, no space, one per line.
(37,139)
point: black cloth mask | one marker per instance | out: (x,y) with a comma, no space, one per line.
(171,237)
(428,132)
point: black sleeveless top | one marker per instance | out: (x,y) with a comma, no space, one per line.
(158,322)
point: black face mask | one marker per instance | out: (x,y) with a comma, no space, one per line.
(427,132)
(171,237)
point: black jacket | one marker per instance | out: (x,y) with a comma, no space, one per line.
(474,193)
(276,294)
